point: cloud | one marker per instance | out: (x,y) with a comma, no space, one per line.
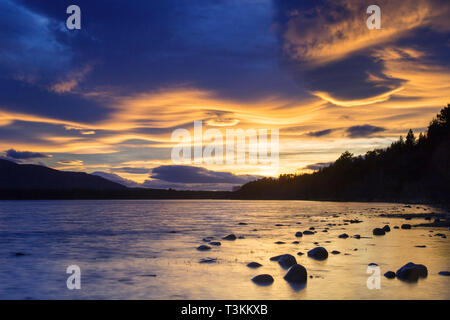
(320,133)
(70,163)
(24,155)
(71,81)
(363,130)
(318,166)
(132,170)
(116,178)
(328,48)
(190,174)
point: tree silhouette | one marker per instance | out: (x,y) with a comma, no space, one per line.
(411,169)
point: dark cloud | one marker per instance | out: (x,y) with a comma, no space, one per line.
(190,174)
(307,27)
(116,178)
(363,130)
(132,170)
(320,133)
(24,155)
(319,165)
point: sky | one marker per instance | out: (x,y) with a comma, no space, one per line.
(106,99)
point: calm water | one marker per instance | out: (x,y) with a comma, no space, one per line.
(127,250)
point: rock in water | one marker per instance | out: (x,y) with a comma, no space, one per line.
(286,261)
(229,237)
(386,228)
(263,279)
(406,226)
(390,274)
(318,253)
(412,272)
(254,265)
(378,232)
(276,258)
(203,248)
(299,234)
(296,274)
(343,236)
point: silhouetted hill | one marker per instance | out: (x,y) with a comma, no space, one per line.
(409,170)
(15,176)
(26,181)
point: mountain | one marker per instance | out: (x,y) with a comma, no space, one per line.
(15,176)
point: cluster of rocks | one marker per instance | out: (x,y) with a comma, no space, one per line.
(381,231)
(296,273)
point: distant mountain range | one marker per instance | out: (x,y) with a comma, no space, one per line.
(29,181)
(15,176)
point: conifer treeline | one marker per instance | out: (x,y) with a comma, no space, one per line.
(410,169)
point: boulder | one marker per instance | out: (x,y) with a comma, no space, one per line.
(412,272)
(386,228)
(263,279)
(296,274)
(444,273)
(215,243)
(276,258)
(318,253)
(390,274)
(307,232)
(406,226)
(357,236)
(299,234)
(203,247)
(335,252)
(254,265)
(343,236)
(378,232)
(286,261)
(230,237)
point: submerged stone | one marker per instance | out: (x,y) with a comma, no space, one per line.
(378,232)
(318,253)
(296,274)
(263,279)
(254,265)
(229,237)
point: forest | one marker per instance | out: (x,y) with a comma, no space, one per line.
(410,169)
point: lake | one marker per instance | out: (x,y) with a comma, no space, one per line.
(147,249)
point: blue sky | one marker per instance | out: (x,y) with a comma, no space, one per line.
(108,96)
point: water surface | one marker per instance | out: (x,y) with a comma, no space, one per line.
(147,249)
